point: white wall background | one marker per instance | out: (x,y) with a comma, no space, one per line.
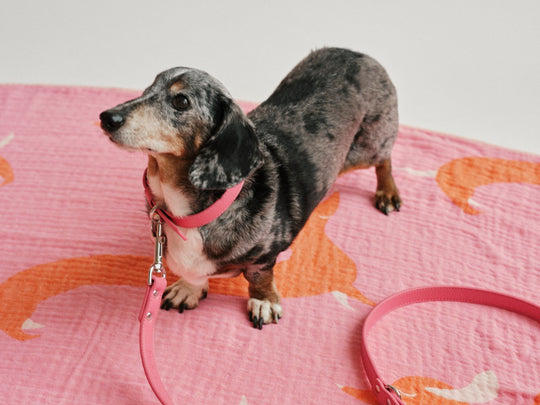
(466,67)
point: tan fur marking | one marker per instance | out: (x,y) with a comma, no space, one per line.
(385,181)
(263,287)
(387,195)
(152,166)
(145,129)
(177,87)
(173,169)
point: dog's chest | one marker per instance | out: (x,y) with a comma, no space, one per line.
(174,201)
(185,258)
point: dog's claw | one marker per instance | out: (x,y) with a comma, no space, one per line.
(166,305)
(276,318)
(258,323)
(183,306)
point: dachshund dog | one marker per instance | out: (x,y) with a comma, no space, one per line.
(335,111)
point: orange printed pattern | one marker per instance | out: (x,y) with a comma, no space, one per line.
(459,178)
(22,293)
(317,266)
(413,390)
(417,390)
(6,172)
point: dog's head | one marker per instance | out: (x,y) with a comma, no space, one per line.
(190,114)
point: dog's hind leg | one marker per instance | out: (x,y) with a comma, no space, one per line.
(372,146)
(264,305)
(387,197)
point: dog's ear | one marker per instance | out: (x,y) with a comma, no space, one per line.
(231,153)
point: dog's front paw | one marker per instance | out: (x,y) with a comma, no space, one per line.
(183,295)
(262,312)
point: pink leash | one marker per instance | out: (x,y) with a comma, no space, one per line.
(156,275)
(147,319)
(150,309)
(386,394)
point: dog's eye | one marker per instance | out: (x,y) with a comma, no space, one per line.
(180,102)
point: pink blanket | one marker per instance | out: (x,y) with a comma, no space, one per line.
(75,249)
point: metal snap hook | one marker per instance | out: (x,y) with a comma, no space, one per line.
(157,232)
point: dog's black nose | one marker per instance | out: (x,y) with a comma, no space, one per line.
(111,121)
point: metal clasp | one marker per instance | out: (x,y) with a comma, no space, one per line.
(159,241)
(392,388)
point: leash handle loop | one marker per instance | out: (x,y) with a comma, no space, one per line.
(389,395)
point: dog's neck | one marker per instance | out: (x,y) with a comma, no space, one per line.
(168,179)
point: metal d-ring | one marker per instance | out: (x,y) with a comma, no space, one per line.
(155,269)
(153,214)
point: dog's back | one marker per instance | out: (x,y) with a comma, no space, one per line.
(336,110)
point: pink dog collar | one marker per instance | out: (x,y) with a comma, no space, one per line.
(196,220)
